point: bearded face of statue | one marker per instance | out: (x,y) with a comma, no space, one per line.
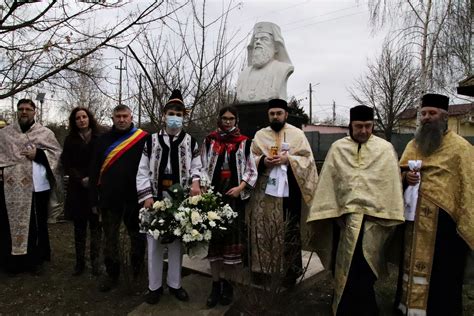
(263,49)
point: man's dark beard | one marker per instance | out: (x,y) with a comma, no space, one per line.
(276,125)
(428,137)
(26,126)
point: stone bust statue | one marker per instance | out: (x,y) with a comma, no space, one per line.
(269,66)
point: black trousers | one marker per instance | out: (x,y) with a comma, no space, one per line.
(80,236)
(39,249)
(111,220)
(292,217)
(358,297)
(447,273)
(450,255)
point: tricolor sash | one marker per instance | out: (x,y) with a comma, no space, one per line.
(119,147)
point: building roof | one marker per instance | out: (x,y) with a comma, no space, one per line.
(326,129)
(454,110)
(466,87)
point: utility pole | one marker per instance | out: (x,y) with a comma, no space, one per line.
(120,79)
(310,104)
(140,101)
(333,112)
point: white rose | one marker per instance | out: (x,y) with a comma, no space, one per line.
(194,200)
(195,218)
(212,223)
(212,216)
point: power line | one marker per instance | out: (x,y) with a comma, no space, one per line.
(320,15)
(328,20)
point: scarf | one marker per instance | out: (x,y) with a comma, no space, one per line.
(225,140)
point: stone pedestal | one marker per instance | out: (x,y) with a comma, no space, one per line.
(254,116)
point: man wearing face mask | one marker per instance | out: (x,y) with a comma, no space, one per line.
(171,156)
(356,206)
(287,177)
(113,192)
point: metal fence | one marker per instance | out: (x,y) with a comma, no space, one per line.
(320,143)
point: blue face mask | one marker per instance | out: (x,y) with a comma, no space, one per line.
(174,122)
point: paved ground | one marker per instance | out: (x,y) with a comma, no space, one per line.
(198,285)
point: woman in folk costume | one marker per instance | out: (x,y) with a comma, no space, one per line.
(169,157)
(229,166)
(76,158)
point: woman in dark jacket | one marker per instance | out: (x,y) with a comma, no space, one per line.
(76,157)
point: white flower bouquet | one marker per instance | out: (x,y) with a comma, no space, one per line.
(195,220)
(202,216)
(159,220)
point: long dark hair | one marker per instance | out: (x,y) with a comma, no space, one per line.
(72,120)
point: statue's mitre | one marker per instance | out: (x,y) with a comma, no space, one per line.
(266,27)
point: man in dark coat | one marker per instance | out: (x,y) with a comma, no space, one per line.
(114,194)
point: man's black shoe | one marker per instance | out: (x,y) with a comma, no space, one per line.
(180,294)
(153,297)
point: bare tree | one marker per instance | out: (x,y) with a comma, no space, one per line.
(85,86)
(390,86)
(39,40)
(435,31)
(183,55)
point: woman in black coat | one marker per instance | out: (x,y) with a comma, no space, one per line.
(76,157)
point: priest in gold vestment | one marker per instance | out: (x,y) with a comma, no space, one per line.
(437,241)
(357,203)
(286,182)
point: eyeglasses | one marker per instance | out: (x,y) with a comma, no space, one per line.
(25,110)
(227,119)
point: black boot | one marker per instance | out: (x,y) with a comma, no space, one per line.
(227,293)
(216,293)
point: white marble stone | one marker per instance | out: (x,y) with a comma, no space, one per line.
(269,66)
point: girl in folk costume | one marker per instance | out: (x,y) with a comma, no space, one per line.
(171,156)
(229,166)
(76,158)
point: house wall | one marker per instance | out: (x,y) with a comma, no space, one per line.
(459,124)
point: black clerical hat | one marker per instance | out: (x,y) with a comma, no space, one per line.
(175,101)
(278,103)
(435,100)
(361,113)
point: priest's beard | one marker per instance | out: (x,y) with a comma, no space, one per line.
(262,56)
(428,137)
(276,125)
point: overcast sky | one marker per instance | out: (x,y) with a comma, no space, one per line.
(329,43)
